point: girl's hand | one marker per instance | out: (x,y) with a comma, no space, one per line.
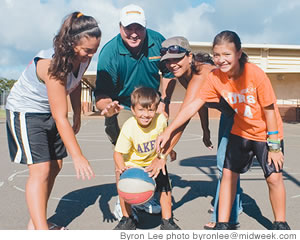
(83,168)
(112,109)
(154,168)
(277,158)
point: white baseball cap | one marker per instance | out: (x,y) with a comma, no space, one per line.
(132,14)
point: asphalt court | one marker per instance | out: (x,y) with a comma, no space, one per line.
(83,205)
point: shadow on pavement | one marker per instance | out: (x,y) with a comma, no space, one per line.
(73,204)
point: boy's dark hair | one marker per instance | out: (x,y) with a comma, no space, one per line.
(74,28)
(231,37)
(145,96)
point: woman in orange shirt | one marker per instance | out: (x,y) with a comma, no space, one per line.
(257,129)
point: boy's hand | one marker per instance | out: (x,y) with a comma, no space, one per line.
(154,168)
(121,170)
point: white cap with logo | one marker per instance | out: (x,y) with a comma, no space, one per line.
(132,14)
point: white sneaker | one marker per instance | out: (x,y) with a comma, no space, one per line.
(152,207)
(118,212)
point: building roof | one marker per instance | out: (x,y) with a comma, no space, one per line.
(272,58)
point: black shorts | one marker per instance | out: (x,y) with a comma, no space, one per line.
(33,138)
(163,182)
(240,154)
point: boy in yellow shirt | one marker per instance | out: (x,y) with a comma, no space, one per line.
(135,147)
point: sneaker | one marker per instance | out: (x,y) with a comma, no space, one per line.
(152,207)
(224,226)
(118,212)
(126,223)
(280,226)
(169,224)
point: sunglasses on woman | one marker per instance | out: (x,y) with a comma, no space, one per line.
(175,49)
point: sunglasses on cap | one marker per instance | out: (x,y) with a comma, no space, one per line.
(175,49)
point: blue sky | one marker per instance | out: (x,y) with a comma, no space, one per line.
(30,25)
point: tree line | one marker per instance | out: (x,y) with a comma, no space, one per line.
(6,84)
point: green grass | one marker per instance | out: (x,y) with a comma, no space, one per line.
(2,113)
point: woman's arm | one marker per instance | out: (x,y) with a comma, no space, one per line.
(185,113)
(271,122)
(57,96)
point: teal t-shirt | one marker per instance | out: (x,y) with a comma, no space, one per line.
(119,73)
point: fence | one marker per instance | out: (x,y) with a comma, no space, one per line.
(3,97)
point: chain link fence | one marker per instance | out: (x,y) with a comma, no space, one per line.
(3,97)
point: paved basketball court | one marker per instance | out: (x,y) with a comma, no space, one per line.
(87,204)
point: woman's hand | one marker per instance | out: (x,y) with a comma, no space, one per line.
(154,168)
(277,158)
(83,168)
(206,140)
(161,140)
(76,123)
(173,155)
(112,109)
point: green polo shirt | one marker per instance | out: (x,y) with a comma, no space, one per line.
(119,73)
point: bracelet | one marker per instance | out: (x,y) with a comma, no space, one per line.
(274,145)
(272,132)
(275,150)
(162,156)
(273,140)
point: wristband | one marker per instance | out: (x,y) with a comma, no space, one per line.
(165,100)
(274,145)
(272,132)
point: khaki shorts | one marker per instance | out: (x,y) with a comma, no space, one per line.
(114,124)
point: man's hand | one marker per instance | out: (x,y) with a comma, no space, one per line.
(112,109)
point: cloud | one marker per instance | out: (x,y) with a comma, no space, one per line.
(28,26)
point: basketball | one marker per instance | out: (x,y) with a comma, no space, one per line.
(135,186)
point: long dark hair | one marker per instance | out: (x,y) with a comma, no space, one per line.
(200,58)
(231,37)
(75,26)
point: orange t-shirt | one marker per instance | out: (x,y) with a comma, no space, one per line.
(247,95)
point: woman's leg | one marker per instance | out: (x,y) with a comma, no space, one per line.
(38,188)
(225,126)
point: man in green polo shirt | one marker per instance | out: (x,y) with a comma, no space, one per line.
(130,60)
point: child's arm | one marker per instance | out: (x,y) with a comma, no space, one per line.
(274,156)
(119,162)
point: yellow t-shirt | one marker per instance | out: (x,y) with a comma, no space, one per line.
(137,144)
